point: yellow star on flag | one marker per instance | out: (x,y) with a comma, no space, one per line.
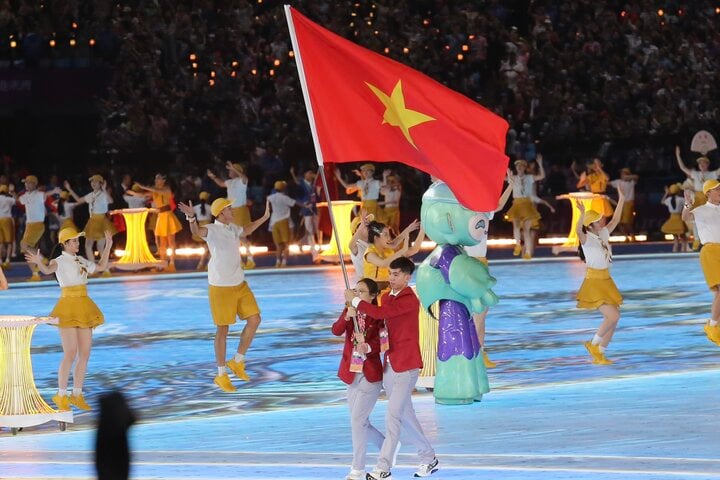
(396,114)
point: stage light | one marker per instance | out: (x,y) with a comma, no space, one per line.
(460,57)
(193,57)
(276,62)
(406,50)
(253,71)
(72,42)
(661,12)
(471,37)
(465,48)
(376,32)
(74,25)
(447,47)
(194,65)
(234,63)
(13,44)
(52,43)
(91,42)
(426,22)
(717,10)
(233,74)
(369,23)
(623,14)
(272,72)
(212,74)
(387,50)
(211,82)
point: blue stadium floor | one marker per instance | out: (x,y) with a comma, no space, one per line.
(551,414)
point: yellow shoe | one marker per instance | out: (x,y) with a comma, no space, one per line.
(35,277)
(488,363)
(223,381)
(250,264)
(696,245)
(79,402)
(602,360)
(106,273)
(517,250)
(713,333)
(238,368)
(527,256)
(62,402)
(594,350)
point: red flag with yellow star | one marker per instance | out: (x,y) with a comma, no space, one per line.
(365,106)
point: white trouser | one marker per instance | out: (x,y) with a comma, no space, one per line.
(362,396)
(401,415)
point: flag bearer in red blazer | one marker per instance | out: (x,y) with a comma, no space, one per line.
(361,369)
(403,362)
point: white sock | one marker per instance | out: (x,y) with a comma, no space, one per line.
(62,392)
(221,371)
(713,323)
(602,349)
(77,391)
(596,340)
(239,357)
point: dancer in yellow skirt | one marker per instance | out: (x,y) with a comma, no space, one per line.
(167,224)
(596,180)
(230,295)
(34,202)
(391,191)
(598,291)
(626,183)
(98,201)
(77,313)
(707,219)
(523,213)
(674,225)
(367,187)
(204,216)
(7,225)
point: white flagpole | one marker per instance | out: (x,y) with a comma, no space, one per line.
(316,142)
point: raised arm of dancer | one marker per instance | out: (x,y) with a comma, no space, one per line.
(572,168)
(541,170)
(78,199)
(582,180)
(105,256)
(417,244)
(681,164)
(375,259)
(361,231)
(579,225)
(349,188)
(252,226)
(504,197)
(37,259)
(241,175)
(218,181)
(618,212)
(405,234)
(687,214)
(598,166)
(189,212)
(151,189)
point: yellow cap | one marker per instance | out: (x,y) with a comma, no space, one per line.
(204,195)
(136,188)
(31,179)
(703,159)
(710,185)
(368,166)
(3,188)
(521,162)
(96,178)
(238,167)
(68,234)
(219,205)
(64,194)
(280,185)
(675,188)
(591,216)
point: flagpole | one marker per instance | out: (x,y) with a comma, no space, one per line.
(316,141)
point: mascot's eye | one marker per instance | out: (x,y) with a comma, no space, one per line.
(477,227)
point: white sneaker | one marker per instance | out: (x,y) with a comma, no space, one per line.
(355,475)
(394,459)
(378,475)
(427,469)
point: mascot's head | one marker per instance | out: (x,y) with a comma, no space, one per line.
(447,222)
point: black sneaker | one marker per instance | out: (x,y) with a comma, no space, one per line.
(378,475)
(427,469)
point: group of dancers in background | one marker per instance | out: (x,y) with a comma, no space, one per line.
(381,315)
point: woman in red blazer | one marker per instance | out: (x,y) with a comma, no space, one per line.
(364,386)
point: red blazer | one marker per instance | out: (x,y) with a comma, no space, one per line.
(372,368)
(401,318)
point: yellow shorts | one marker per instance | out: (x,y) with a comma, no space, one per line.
(281,232)
(700,199)
(598,289)
(96,226)
(523,209)
(241,216)
(33,233)
(201,223)
(167,224)
(391,218)
(7,230)
(371,206)
(76,310)
(710,262)
(228,303)
(68,223)
(628,212)
(674,225)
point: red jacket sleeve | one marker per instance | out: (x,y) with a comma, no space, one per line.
(340,325)
(402,305)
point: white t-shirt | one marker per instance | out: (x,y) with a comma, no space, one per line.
(135,202)
(480,249)
(597,249)
(97,202)
(707,220)
(523,186)
(369,189)
(73,269)
(237,191)
(34,206)
(358,260)
(281,205)
(199,214)
(627,187)
(68,208)
(6,204)
(392,197)
(699,178)
(225,265)
(674,203)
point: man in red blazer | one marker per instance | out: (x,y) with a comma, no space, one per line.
(399,308)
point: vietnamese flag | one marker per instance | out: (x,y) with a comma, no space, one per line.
(364,106)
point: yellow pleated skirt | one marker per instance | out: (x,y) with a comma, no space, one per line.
(68,223)
(674,225)
(167,224)
(523,209)
(76,310)
(598,289)
(602,206)
(241,216)
(710,262)
(96,226)
(391,217)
